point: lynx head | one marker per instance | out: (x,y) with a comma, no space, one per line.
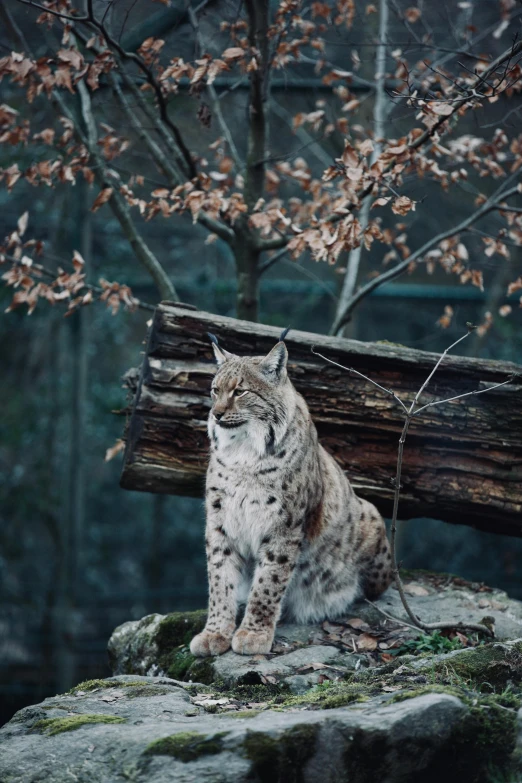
(252,398)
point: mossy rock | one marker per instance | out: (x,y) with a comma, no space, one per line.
(488,667)
(179,628)
(173,635)
(187,746)
(93,685)
(280,759)
(52,726)
(330,696)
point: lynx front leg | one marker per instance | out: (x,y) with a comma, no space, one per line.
(272,575)
(223,577)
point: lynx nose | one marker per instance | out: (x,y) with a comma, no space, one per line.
(218,415)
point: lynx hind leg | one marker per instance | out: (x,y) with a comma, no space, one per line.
(375,553)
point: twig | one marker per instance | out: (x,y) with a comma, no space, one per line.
(117,203)
(391,617)
(467,394)
(273,260)
(121,209)
(490,206)
(410,412)
(364,377)
(425,136)
(96,289)
(213,95)
(306,138)
(91,21)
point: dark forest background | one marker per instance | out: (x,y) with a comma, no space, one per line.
(61,382)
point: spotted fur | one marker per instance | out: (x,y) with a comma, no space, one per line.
(285,531)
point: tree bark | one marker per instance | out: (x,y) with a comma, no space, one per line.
(462,462)
(380,112)
(246,253)
(247,273)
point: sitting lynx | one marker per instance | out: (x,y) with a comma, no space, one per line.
(285,531)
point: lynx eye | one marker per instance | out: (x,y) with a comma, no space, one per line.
(213,392)
(240,392)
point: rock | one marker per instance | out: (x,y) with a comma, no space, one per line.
(145,646)
(145,734)
(334,702)
(157,644)
(518,749)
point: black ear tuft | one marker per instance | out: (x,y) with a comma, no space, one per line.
(284,333)
(213,338)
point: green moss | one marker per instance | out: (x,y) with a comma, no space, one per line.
(94,685)
(479,750)
(179,628)
(147,690)
(488,667)
(243,714)
(492,736)
(337,694)
(280,759)
(187,746)
(52,726)
(172,637)
(487,734)
(422,691)
(201,670)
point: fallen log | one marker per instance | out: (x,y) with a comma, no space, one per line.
(462,461)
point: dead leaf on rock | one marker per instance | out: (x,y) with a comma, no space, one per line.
(332,627)
(415,589)
(267,679)
(366,643)
(313,666)
(358,624)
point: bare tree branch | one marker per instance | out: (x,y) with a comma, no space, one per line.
(121,208)
(59,14)
(213,95)
(273,260)
(410,412)
(380,112)
(43,270)
(364,377)
(169,168)
(398,269)
(507,55)
(91,20)
(301,133)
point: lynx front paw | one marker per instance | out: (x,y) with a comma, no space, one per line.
(252,642)
(209,643)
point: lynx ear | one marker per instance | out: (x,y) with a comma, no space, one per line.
(221,355)
(274,363)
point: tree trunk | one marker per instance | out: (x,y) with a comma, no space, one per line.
(247,272)
(462,462)
(246,254)
(381,107)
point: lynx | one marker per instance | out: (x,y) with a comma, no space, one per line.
(286,534)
